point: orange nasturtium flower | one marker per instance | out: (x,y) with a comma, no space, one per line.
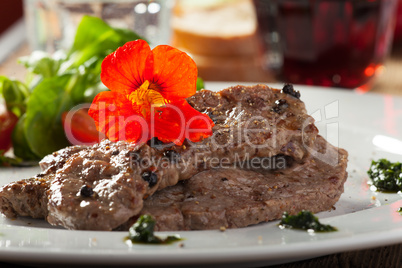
(147,96)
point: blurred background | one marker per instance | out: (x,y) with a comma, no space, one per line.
(10,13)
(346,44)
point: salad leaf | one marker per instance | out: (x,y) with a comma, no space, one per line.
(87,81)
(56,83)
(42,127)
(20,144)
(15,94)
(200,84)
(42,63)
(89,31)
(95,38)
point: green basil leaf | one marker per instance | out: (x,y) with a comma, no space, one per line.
(200,84)
(95,37)
(88,31)
(128,35)
(20,144)
(15,93)
(42,63)
(79,82)
(43,127)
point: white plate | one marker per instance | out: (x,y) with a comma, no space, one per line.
(366,125)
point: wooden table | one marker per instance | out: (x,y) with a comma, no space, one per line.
(390,82)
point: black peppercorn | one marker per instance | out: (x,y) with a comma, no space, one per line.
(86,191)
(280,106)
(288,89)
(150,177)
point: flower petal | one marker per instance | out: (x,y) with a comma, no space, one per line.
(174,72)
(147,97)
(123,70)
(116,116)
(198,125)
(178,120)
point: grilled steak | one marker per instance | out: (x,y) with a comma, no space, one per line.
(101,187)
(28,197)
(233,198)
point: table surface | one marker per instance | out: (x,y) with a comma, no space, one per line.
(389,82)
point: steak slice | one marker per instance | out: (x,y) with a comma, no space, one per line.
(100,187)
(28,197)
(25,198)
(51,163)
(233,198)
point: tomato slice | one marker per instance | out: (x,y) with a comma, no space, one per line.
(8,120)
(80,128)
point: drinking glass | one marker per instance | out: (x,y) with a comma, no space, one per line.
(398,24)
(338,43)
(52,24)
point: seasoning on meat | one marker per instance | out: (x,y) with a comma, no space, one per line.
(288,89)
(150,177)
(86,191)
(244,136)
(280,106)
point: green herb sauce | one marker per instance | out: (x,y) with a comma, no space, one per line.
(142,232)
(385,175)
(304,220)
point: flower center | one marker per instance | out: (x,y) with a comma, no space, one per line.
(147,96)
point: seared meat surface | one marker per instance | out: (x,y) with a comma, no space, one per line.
(234,198)
(28,197)
(102,187)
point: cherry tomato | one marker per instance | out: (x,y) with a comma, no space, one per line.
(8,120)
(80,128)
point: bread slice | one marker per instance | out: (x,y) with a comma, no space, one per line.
(221,37)
(231,68)
(224,29)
